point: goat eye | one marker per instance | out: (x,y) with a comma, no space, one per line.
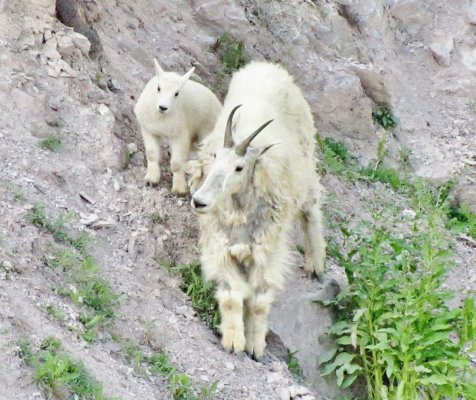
(214,155)
(158,88)
(176,94)
(239,168)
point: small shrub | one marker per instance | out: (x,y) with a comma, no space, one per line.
(384,117)
(51,143)
(395,329)
(231,52)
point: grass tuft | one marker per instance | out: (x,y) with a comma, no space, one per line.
(51,143)
(202,295)
(58,374)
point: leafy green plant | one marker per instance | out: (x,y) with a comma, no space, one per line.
(336,157)
(231,51)
(384,117)
(461,219)
(201,294)
(293,365)
(396,330)
(58,374)
(51,143)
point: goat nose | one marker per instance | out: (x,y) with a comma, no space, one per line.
(198,204)
(162,108)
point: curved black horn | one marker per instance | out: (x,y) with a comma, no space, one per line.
(228,136)
(241,148)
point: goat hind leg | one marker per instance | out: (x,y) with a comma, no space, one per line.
(314,241)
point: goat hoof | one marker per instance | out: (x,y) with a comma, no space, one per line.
(151,184)
(319,276)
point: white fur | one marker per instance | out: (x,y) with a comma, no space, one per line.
(182,120)
(246,216)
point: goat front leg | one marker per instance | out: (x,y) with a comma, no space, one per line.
(152,152)
(256,323)
(232,327)
(180,147)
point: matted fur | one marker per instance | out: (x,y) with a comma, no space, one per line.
(244,237)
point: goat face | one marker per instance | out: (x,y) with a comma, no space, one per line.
(231,171)
(168,88)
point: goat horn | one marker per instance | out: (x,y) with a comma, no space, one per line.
(241,148)
(228,136)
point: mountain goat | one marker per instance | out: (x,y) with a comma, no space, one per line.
(249,196)
(174,108)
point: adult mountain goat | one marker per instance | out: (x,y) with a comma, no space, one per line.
(173,108)
(251,188)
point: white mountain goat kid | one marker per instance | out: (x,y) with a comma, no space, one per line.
(252,189)
(181,111)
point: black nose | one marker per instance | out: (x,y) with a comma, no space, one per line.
(162,108)
(197,204)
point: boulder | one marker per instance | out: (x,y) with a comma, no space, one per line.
(81,42)
(65,46)
(442,50)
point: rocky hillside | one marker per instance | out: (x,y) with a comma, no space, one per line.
(74,209)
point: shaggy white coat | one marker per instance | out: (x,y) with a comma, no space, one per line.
(244,235)
(183,112)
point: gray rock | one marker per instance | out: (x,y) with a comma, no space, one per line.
(442,50)
(65,46)
(300,322)
(472,13)
(81,42)
(466,196)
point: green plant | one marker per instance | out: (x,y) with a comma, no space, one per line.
(384,117)
(201,294)
(58,228)
(156,218)
(88,290)
(396,330)
(56,313)
(231,51)
(180,384)
(293,365)
(461,219)
(58,374)
(51,143)
(336,157)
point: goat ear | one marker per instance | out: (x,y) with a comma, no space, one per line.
(187,75)
(158,68)
(264,149)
